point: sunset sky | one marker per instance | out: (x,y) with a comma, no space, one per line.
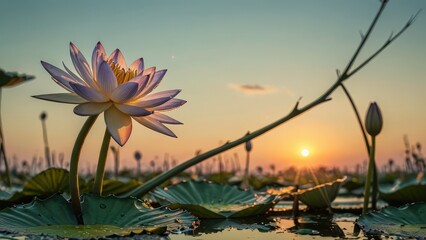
(241,64)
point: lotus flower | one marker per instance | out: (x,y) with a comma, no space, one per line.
(122,92)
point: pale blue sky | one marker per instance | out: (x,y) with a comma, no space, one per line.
(291,47)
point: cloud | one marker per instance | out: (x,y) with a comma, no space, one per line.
(253,89)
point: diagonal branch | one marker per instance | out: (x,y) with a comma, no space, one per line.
(296,111)
(386,44)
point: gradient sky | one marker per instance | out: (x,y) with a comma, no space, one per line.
(290,49)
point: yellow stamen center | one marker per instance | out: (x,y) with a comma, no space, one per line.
(122,74)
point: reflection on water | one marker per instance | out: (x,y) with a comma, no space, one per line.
(279,224)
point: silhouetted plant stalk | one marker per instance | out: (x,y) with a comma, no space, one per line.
(8,79)
(116,152)
(138,158)
(43,117)
(348,72)
(248,147)
(8,181)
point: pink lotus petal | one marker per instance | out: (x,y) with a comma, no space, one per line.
(162,118)
(169,105)
(62,78)
(80,63)
(62,98)
(153,83)
(118,58)
(138,65)
(155,125)
(124,92)
(76,78)
(88,93)
(97,56)
(142,81)
(106,78)
(119,125)
(156,99)
(133,110)
(91,108)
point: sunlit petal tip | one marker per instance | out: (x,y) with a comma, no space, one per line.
(80,63)
(117,57)
(70,98)
(59,76)
(138,65)
(119,125)
(155,125)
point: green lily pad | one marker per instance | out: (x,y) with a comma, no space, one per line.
(103,216)
(320,196)
(112,186)
(406,221)
(42,185)
(407,191)
(211,200)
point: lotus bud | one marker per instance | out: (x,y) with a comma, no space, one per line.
(248,146)
(374,120)
(138,156)
(43,116)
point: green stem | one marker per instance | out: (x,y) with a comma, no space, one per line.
(100,171)
(375,190)
(3,151)
(371,164)
(73,175)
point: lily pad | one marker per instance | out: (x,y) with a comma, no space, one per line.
(103,216)
(116,187)
(320,196)
(211,200)
(407,221)
(407,191)
(42,185)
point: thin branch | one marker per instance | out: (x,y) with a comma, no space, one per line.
(364,39)
(389,41)
(358,117)
(296,111)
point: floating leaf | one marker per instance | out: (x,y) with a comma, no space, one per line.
(407,191)
(406,221)
(321,195)
(112,186)
(210,200)
(103,216)
(47,183)
(42,185)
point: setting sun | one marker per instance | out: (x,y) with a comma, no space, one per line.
(305,152)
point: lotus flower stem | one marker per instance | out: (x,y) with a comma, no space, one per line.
(347,73)
(100,171)
(369,176)
(75,156)
(367,145)
(3,151)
